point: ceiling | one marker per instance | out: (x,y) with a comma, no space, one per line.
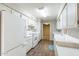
(53,9)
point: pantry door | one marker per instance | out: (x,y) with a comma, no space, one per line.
(46,31)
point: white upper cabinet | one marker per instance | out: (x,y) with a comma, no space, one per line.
(62,21)
(68,17)
(59,22)
(72,15)
(64,18)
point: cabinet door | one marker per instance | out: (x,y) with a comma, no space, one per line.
(13,31)
(64,18)
(71,14)
(10,26)
(59,22)
(19,51)
(30,22)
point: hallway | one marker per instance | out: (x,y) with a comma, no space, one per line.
(42,49)
(42,29)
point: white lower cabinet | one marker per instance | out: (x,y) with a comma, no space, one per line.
(65,51)
(19,51)
(35,40)
(22,49)
(62,50)
(35,43)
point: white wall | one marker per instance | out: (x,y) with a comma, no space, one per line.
(52,28)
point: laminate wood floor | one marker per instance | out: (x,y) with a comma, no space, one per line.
(42,49)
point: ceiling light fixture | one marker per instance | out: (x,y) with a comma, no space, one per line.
(43,11)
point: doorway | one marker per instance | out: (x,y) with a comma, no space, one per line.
(46,31)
